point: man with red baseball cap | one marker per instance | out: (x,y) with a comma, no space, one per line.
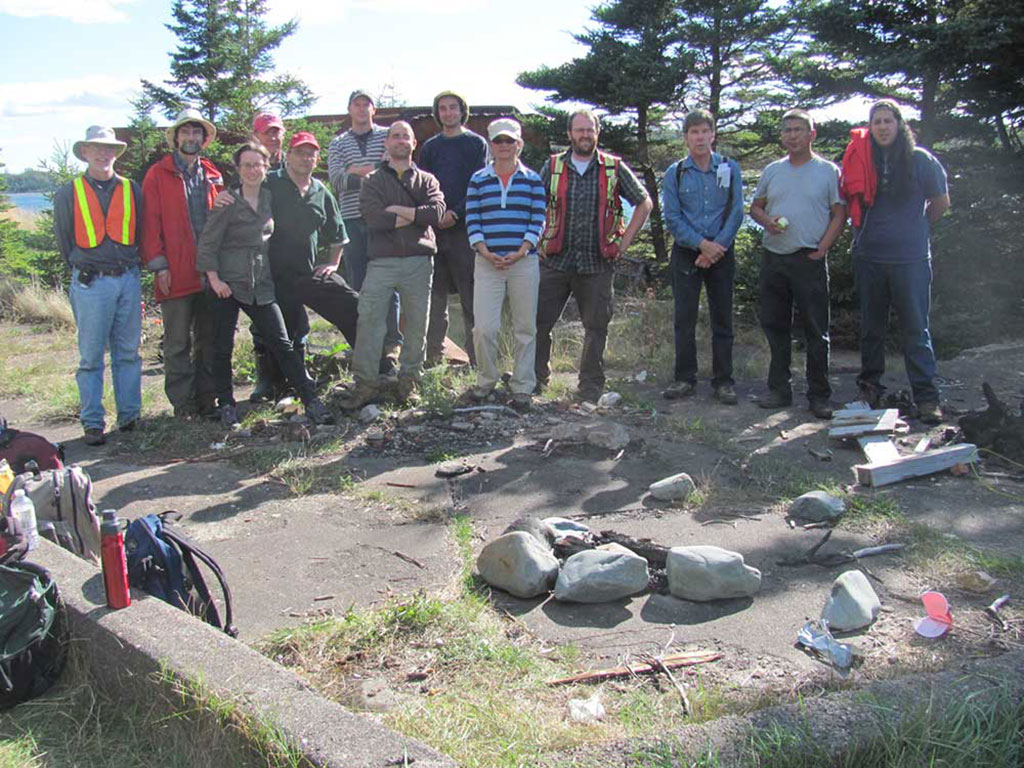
(269,131)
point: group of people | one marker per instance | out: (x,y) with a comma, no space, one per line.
(471,218)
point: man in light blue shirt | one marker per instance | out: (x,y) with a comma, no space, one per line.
(702,196)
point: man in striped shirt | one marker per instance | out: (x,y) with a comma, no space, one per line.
(505,205)
(350,158)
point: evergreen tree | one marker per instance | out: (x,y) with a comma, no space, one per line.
(633,67)
(224,64)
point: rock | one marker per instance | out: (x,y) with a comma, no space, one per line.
(597,576)
(375,695)
(369,414)
(978,582)
(533,526)
(462,426)
(852,604)
(374,438)
(604,434)
(558,527)
(287,405)
(519,564)
(614,547)
(817,507)
(672,488)
(609,400)
(703,573)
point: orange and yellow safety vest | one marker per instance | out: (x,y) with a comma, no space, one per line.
(92,226)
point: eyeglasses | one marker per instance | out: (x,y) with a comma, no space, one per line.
(252,166)
(503,140)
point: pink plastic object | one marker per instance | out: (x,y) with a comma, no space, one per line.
(939,619)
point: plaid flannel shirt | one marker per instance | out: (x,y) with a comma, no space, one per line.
(581,251)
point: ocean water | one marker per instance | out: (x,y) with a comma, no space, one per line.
(30,202)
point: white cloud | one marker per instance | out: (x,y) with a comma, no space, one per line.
(94,12)
(324,11)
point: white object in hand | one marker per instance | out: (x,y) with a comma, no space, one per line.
(782,222)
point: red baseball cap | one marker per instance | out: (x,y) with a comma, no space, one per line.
(303,137)
(265,120)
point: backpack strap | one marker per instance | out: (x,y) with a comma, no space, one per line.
(189,552)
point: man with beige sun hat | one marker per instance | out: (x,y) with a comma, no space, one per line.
(96,222)
(180,189)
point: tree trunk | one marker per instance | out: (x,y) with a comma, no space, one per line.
(1004,135)
(651,183)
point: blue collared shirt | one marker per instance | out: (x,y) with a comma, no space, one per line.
(698,211)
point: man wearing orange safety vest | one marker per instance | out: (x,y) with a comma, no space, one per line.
(95,220)
(583,236)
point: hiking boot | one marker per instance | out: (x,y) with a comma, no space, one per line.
(522,402)
(228,415)
(475,395)
(540,386)
(820,407)
(186,412)
(929,412)
(406,390)
(128,426)
(587,395)
(775,400)
(677,390)
(269,379)
(357,396)
(726,395)
(94,436)
(318,413)
(870,394)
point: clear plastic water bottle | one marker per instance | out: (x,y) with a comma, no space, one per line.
(24,511)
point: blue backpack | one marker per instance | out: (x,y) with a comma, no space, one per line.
(165,563)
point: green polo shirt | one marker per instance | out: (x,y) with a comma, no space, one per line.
(302,223)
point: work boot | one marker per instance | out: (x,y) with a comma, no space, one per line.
(820,407)
(870,394)
(776,400)
(358,395)
(317,412)
(406,390)
(929,412)
(726,395)
(94,436)
(677,390)
(228,415)
(522,402)
(587,395)
(389,360)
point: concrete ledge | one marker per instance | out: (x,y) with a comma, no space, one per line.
(132,650)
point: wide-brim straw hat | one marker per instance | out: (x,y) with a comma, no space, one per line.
(191,115)
(99,134)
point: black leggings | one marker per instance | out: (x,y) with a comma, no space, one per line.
(269,322)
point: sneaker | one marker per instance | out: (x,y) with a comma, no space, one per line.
(820,407)
(319,413)
(228,415)
(94,436)
(776,400)
(357,396)
(929,412)
(677,390)
(726,395)
(521,401)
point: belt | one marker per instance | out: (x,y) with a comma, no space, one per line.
(112,272)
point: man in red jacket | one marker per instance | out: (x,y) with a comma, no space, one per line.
(179,191)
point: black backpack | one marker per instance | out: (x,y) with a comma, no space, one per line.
(33,631)
(165,563)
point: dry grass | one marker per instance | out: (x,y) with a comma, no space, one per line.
(35,304)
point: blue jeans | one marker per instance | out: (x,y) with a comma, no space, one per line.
(907,288)
(687,279)
(356,258)
(108,313)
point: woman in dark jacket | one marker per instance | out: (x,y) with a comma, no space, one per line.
(233,254)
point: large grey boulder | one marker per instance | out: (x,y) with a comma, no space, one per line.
(817,507)
(703,573)
(852,604)
(675,487)
(519,564)
(596,576)
(604,434)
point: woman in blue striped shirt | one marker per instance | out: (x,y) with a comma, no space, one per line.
(504,219)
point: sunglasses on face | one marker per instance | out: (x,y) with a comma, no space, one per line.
(503,140)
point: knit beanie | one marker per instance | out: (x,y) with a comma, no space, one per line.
(463,106)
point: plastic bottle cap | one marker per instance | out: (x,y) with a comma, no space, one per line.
(109,514)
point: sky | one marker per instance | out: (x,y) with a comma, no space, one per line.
(69,64)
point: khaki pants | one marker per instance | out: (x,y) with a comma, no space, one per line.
(520,282)
(410,277)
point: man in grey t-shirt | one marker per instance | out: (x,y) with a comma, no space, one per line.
(797,202)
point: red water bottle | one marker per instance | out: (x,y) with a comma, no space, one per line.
(115,564)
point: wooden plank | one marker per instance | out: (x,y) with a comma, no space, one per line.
(878,449)
(857,416)
(915,465)
(883,425)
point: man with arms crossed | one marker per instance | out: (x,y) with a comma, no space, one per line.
(583,236)
(797,202)
(702,196)
(452,156)
(95,220)
(400,204)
